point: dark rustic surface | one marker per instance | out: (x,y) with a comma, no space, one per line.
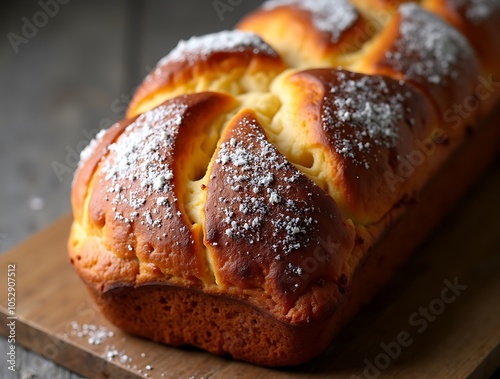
(72,77)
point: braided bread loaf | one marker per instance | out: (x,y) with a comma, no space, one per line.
(265,182)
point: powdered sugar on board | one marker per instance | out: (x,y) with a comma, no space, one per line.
(331,16)
(95,335)
(102,338)
(428,48)
(202,47)
(360,112)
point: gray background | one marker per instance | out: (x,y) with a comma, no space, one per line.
(74,76)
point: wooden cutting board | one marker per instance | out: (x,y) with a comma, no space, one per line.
(458,339)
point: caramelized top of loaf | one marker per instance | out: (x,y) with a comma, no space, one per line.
(357,129)
(419,47)
(264,217)
(479,21)
(251,163)
(308,32)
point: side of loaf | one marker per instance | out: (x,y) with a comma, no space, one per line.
(268,181)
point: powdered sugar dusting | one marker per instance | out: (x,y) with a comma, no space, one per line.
(141,156)
(95,335)
(100,337)
(225,41)
(428,47)
(331,16)
(89,150)
(363,105)
(261,180)
(478,11)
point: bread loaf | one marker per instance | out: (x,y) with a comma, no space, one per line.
(267,181)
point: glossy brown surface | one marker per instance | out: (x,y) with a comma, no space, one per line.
(274,219)
(364,128)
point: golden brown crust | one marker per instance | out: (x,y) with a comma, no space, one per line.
(479,22)
(97,265)
(309,33)
(190,317)
(359,126)
(222,324)
(422,49)
(135,204)
(255,220)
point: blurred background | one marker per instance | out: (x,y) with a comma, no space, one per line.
(67,69)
